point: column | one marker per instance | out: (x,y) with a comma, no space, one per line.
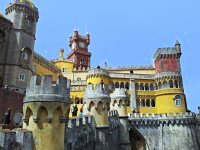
(133,95)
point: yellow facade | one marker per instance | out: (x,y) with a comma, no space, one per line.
(164,98)
(42,118)
(62,64)
(98,79)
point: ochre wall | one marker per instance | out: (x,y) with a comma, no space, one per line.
(53,131)
(40,70)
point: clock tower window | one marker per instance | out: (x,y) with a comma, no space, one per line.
(82,61)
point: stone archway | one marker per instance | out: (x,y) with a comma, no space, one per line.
(137,140)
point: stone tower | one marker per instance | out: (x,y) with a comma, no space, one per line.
(97,103)
(18,64)
(46,109)
(5,29)
(119,102)
(79,54)
(168,59)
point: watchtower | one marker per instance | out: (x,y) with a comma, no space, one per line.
(18,65)
(46,108)
(97,103)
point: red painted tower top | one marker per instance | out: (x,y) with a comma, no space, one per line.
(79,54)
(168,59)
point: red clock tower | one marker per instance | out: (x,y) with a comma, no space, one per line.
(79,54)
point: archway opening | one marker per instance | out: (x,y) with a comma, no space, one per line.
(137,140)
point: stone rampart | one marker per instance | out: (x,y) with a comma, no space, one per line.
(80,133)
(168,132)
(41,89)
(16,140)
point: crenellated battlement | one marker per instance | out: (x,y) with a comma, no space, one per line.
(99,91)
(166,52)
(158,119)
(81,69)
(119,93)
(23,5)
(80,121)
(97,72)
(113,113)
(142,67)
(42,89)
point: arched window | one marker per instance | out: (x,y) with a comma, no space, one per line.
(122,85)
(147,103)
(178,100)
(176,84)
(146,87)
(156,86)
(171,84)
(153,103)
(127,85)
(142,103)
(141,86)
(25,55)
(22,76)
(82,61)
(151,87)
(116,84)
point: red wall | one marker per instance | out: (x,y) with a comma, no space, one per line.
(9,99)
(167,64)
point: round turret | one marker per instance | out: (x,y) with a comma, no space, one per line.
(97,75)
(119,101)
(97,103)
(46,109)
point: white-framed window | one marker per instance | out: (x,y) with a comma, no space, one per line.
(29,23)
(25,55)
(178,100)
(22,76)
(78,79)
(64,70)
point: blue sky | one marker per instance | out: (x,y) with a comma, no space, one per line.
(124,32)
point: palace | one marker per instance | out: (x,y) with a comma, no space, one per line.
(135,102)
(157,88)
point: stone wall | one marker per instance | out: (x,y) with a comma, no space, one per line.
(16,140)
(82,133)
(178,132)
(9,99)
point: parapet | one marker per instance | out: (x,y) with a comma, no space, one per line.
(119,93)
(41,89)
(25,5)
(100,91)
(144,67)
(80,121)
(158,119)
(165,51)
(97,71)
